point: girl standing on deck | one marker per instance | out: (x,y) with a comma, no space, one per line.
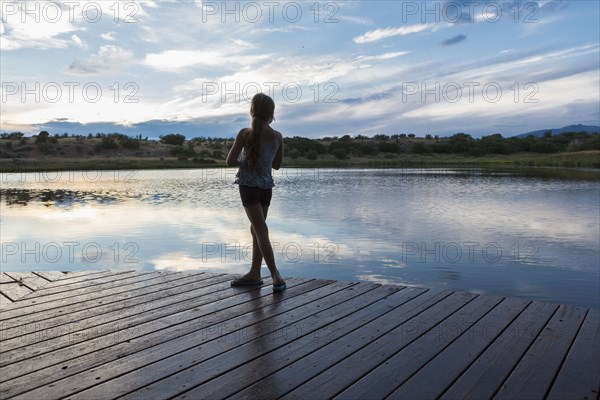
(256,151)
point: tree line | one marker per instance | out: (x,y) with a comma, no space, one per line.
(459,143)
(347,146)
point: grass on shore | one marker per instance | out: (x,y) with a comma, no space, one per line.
(578,160)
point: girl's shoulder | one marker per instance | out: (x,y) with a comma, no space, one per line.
(276,134)
(243,132)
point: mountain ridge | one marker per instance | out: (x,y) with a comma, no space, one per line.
(558,131)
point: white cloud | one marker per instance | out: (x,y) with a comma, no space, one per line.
(379,34)
(356,20)
(109,59)
(24,27)
(79,42)
(385,56)
(108,35)
(174,60)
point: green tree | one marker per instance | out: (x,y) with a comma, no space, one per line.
(340,153)
(42,137)
(175,139)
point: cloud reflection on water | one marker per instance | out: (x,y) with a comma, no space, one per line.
(506,234)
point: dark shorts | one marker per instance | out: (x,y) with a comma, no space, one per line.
(251,195)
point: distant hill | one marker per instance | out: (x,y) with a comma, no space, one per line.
(570,128)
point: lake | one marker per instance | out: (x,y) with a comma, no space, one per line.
(467,229)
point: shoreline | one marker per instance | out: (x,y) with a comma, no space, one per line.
(584,165)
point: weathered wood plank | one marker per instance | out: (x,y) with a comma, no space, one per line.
(578,377)
(144,367)
(68,284)
(161,293)
(82,356)
(52,305)
(485,376)
(14,291)
(455,358)
(136,336)
(168,294)
(387,362)
(80,333)
(295,366)
(29,279)
(536,371)
(4,278)
(310,331)
(4,301)
(51,275)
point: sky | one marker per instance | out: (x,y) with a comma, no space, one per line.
(156,67)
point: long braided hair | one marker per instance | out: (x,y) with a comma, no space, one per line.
(262,110)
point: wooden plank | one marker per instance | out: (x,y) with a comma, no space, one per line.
(29,279)
(50,275)
(163,300)
(120,306)
(484,377)
(261,376)
(57,290)
(87,273)
(4,278)
(455,358)
(309,330)
(54,304)
(142,368)
(4,301)
(387,362)
(59,287)
(48,367)
(536,371)
(14,291)
(318,339)
(579,376)
(81,331)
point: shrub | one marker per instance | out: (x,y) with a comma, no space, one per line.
(340,153)
(312,155)
(173,138)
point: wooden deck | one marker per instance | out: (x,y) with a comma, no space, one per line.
(176,335)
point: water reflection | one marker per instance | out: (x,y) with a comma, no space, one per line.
(463,229)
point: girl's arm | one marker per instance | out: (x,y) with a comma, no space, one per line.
(279,155)
(234,153)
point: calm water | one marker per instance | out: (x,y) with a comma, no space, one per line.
(459,229)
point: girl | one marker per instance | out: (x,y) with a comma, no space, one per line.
(255,151)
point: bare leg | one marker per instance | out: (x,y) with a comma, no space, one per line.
(261,245)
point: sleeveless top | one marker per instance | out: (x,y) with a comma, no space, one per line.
(260,176)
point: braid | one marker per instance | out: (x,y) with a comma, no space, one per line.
(253,141)
(262,110)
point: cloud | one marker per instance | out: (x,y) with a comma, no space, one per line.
(22,28)
(454,40)
(109,59)
(385,56)
(174,60)
(379,34)
(79,42)
(356,20)
(108,35)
